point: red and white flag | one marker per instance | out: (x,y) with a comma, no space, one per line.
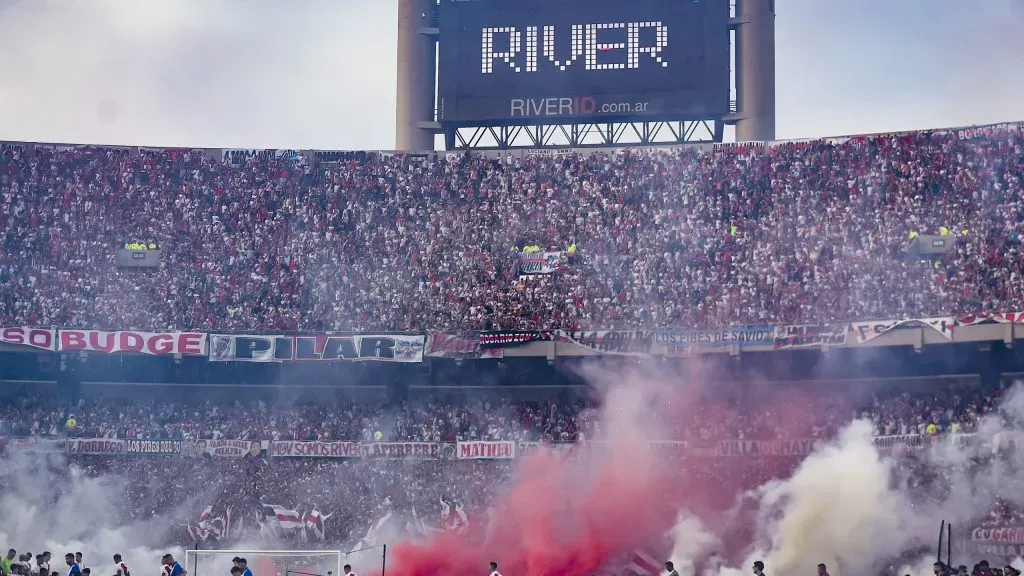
(641,563)
(282,517)
(315,523)
(210,527)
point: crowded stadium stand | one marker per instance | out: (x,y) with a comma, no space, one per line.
(178,303)
(788,233)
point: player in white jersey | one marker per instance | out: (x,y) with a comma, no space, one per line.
(494,569)
(347,570)
(120,568)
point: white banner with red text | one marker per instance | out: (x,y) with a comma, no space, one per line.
(459,346)
(38,338)
(993,318)
(867,331)
(153,343)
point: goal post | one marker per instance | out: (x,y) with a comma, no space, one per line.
(266,562)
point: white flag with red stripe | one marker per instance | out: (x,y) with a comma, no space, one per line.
(282,517)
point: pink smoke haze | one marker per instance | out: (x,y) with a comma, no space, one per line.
(576,513)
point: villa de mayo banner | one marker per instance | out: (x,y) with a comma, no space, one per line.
(614,342)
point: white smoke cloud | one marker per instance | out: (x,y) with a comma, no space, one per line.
(852,508)
(47,505)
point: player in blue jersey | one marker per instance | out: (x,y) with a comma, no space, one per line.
(172,568)
(73,568)
(244,565)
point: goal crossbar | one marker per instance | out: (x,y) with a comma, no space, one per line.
(193,556)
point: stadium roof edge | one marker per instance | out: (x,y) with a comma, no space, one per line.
(515,152)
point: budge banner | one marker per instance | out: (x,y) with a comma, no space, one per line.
(317,348)
(485,450)
(683,341)
(38,338)
(155,343)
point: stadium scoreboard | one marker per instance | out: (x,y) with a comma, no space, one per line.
(521,61)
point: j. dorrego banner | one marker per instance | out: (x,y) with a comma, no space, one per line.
(484,450)
(617,342)
(155,343)
(38,338)
(98,446)
(317,348)
(540,262)
(809,336)
(683,341)
(279,448)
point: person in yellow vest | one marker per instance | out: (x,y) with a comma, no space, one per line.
(932,429)
(71,424)
(943,231)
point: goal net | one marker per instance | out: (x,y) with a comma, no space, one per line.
(266,562)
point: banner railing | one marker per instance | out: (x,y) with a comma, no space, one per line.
(468,450)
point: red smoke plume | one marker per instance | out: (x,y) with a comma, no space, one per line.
(573,514)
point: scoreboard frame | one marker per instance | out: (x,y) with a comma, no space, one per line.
(527,67)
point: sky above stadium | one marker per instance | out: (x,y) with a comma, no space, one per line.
(321,73)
